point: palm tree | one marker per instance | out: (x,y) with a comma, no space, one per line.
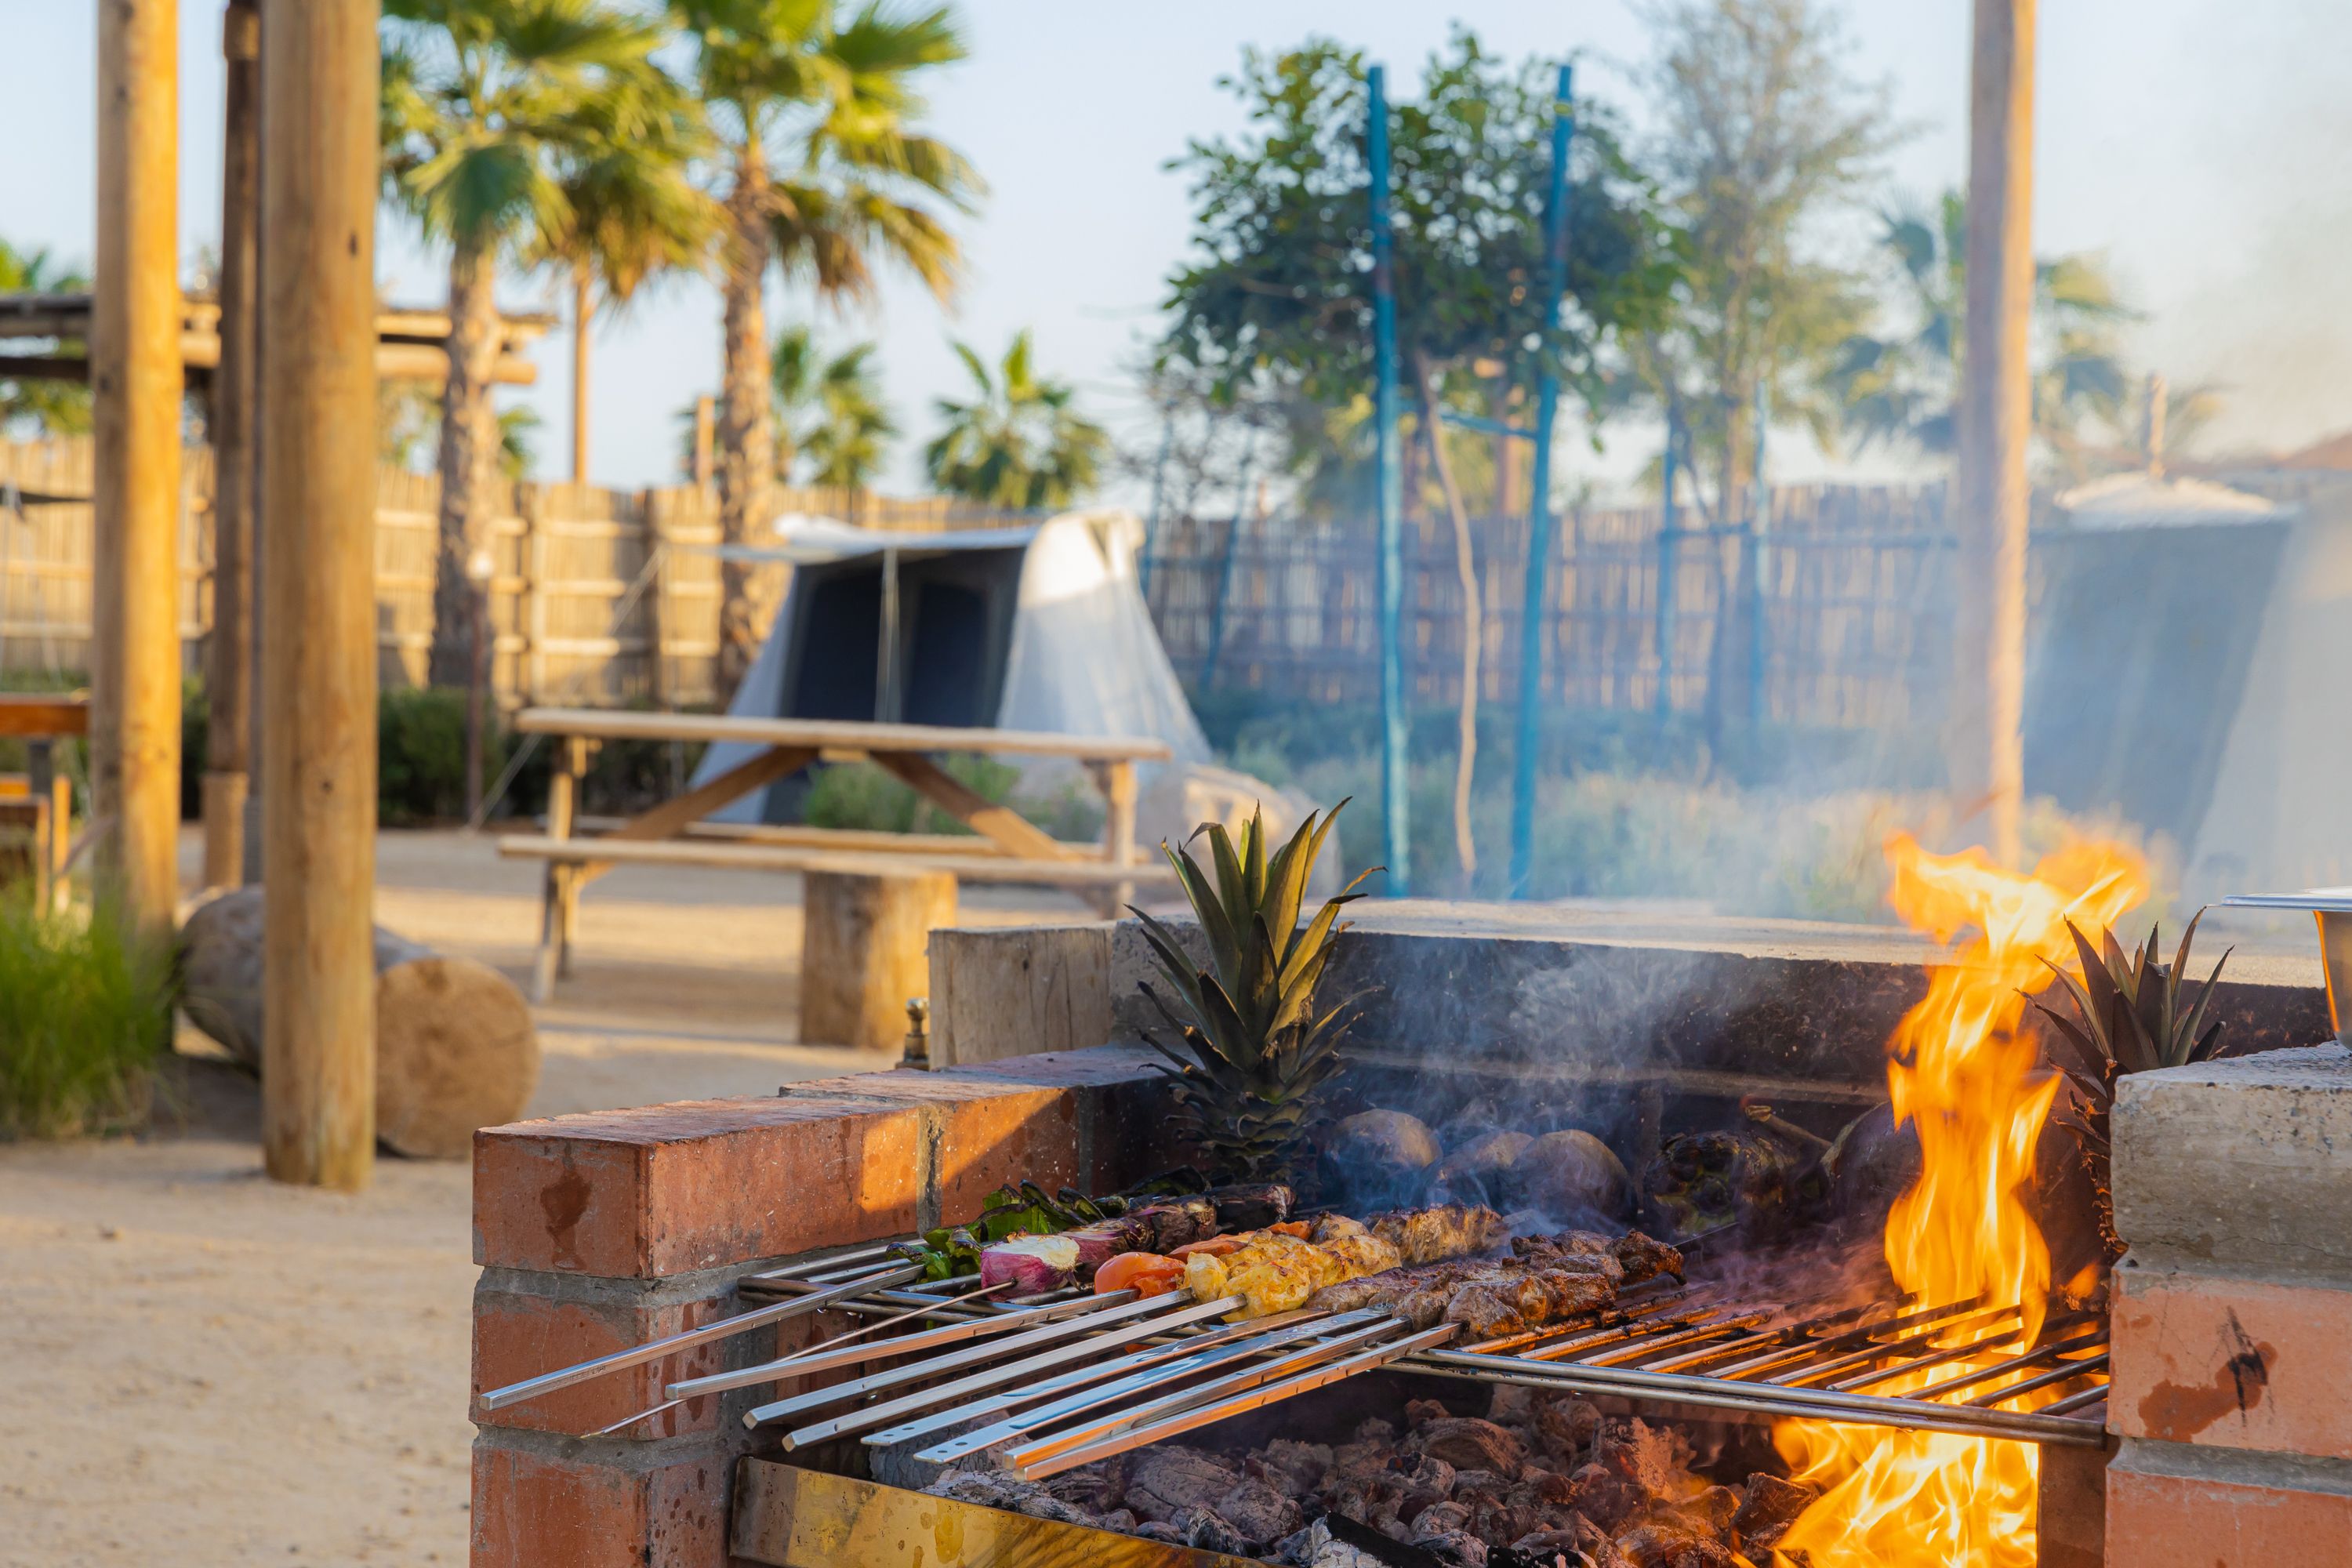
(1903,390)
(1018,442)
(830,420)
(632,211)
(490,108)
(828,180)
(39,405)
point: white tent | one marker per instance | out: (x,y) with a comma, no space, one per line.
(1017,628)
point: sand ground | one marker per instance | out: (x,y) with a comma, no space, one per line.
(212,1369)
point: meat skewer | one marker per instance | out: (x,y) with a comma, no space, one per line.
(1549,1278)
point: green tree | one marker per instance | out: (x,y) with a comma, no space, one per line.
(1902,389)
(833,425)
(36,406)
(491,110)
(828,179)
(1763,131)
(1018,441)
(1277,301)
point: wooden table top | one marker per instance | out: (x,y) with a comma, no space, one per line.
(841,734)
(44,714)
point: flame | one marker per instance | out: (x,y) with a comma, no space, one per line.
(1958,1069)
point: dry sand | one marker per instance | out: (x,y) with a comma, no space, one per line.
(213,1369)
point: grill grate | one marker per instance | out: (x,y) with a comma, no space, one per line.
(1046,1384)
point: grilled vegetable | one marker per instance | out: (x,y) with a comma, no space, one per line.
(1572,1174)
(1447,1230)
(2129,1015)
(1254,1053)
(1034,1264)
(1764,1178)
(1145,1273)
(1377,1158)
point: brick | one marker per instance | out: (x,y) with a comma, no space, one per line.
(978,1133)
(583,1509)
(2219,1509)
(518,1335)
(2236,1166)
(2238,1364)
(671,1189)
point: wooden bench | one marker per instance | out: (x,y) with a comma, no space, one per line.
(1004,846)
(37,805)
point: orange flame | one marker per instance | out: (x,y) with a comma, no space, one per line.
(1960,1071)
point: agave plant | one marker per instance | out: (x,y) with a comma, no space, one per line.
(1255,1053)
(2130,1017)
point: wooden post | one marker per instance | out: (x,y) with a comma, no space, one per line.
(135,381)
(318,520)
(228,651)
(1116,779)
(1986,732)
(864,953)
(561,894)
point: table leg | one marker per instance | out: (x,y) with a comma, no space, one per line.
(1119,829)
(558,921)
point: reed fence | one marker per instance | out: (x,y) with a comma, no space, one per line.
(1853,585)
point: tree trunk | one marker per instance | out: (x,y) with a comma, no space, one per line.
(469,462)
(583,299)
(1465,566)
(746,433)
(1728,558)
(455,1047)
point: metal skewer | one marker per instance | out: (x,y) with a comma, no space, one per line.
(710,1333)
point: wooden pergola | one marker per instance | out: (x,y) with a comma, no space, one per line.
(410,342)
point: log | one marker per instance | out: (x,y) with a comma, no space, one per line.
(456,1047)
(863,952)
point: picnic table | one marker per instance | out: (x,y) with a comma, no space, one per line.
(39,801)
(1003,847)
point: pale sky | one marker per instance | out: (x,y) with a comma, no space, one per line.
(2202,146)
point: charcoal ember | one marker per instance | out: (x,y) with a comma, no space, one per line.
(1439,1519)
(1258,1512)
(1604,1497)
(1662,1544)
(1159,1530)
(1374,1498)
(1419,1413)
(1472,1443)
(1295,1550)
(1097,1487)
(1458,1547)
(1770,1506)
(1117,1519)
(1360,1458)
(992,1488)
(1372,1430)
(1314,1547)
(1564,1426)
(1512,1405)
(1716,1505)
(1173,1477)
(1568,1546)
(1503,1516)
(1428,1479)
(1469,1486)
(1654,1459)
(1291,1467)
(1205,1529)
(1044,1505)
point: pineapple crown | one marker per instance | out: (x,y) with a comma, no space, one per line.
(2130,1011)
(1255,1051)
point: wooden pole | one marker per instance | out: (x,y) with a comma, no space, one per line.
(135,378)
(318,123)
(1986,738)
(228,652)
(706,437)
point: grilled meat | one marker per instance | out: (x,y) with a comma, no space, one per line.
(1548,1278)
(1448,1230)
(1632,1257)
(1536,1296)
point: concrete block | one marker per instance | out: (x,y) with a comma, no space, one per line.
(999,991)
(2238,1363)
(2238,1165)
(2221,1508)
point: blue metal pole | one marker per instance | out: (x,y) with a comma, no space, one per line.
(1393,786)
(1540,519)
(1669,555)
(1760,549)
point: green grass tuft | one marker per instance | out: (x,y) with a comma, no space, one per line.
(85,1014)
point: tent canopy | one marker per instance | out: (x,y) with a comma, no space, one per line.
(1017,628)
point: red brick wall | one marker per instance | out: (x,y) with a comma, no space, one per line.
(601,1231)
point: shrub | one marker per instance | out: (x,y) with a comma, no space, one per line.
(85,1011)
(859,795)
